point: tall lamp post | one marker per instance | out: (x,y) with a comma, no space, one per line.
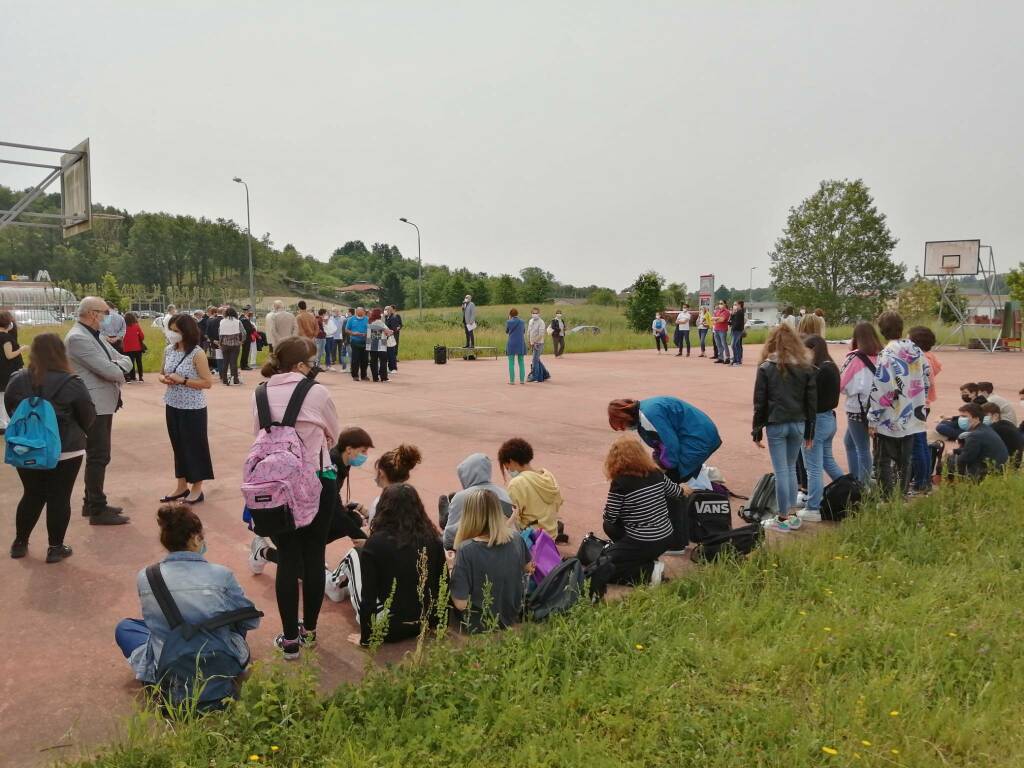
(419,258)
(248,240)
(750,291)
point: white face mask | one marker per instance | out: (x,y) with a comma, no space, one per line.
(173,337)
(534,314)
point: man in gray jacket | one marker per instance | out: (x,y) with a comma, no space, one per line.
(102,368)
(469,321)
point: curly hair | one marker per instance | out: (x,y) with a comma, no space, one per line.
(397,463)
(401,515)
(628,458)
(515,449)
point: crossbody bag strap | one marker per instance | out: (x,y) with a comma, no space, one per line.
(225,619)
(163,596)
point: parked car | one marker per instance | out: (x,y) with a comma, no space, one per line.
(592,330)
(35,317)
(757,323)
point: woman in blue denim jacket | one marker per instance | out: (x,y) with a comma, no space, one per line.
(200,589)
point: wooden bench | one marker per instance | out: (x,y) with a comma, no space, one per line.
(473,353)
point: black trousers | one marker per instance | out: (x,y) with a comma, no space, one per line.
(632,560)
(97,457)
(893,457)
(300,556)
(470,338)
(230,361)
(379,365)
(246,351)
(393,358)
(682,337)
(50,488)
(661,340)
(559,344)
(360,359)
(187,430)
(136,358)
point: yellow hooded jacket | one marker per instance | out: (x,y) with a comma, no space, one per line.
(537,499)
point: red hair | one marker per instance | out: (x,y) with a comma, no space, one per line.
(623,413)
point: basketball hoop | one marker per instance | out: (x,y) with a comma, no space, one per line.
(76,197)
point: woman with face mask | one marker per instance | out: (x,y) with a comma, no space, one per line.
(394,467)
(535,335)
(534,492)
(186,374)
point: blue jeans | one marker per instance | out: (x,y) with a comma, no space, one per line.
(723,347)
(818,458)
(784,441)
(329,352)
(858,450)
(920,463)
(321,346)
(737,346)
(129,634)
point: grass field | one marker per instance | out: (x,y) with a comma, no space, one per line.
(893,640)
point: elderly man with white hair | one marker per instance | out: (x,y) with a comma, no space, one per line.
(164,320)
(102,368)
(280,324)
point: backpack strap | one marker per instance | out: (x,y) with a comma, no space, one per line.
(291,413)
(263,407)
(163,596)
(222,620)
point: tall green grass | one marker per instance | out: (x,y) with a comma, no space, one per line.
(894,640)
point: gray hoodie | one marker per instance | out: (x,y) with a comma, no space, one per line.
(474,474)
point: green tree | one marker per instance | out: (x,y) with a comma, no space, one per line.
(537,285)
(508,291)
(391,291)
(112,292)
(480,291)
(919,299)
(836,253)
(675,294)
(603,297)
(723,294)
(455,291)
(954,297)
(1015,283)
(644,300)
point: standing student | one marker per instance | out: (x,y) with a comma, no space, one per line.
(488,581)
(898,408)
(321,338)
(534,492)
(377,346)
(856,378)
(229,333)
(921,459)
(785,406)
(738,326)
(133,345)
(186,374)
(704,323)
(102,368)
(818,459)
(357,329)
(306,322)
(636,513)
(682,334)
(300,552)
(515,345)
(658,329)
(558,334)
(11,355)
(49,375)
(721,318)
(394,323)
(469,321)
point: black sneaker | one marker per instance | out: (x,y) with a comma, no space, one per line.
(108,517)
(19,549)
(57,553)
(289,648)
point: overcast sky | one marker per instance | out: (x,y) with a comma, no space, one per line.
(594,139)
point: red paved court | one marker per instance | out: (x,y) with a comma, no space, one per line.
(64,683)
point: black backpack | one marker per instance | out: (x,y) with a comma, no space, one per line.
(739,541)
(763,503)
(840,497)
(590,549)
(708,514)
(558,592)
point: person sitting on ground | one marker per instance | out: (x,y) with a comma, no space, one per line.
(389,567)
(534,492)
(487,584)
(987,390)
(636,515)
(200,589)
(393,467)
(948,426)
(474,473)
(1012,437)
(983,450)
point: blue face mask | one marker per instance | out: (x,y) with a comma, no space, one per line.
(964,423)
(358,460)
(987,420)
(513,473)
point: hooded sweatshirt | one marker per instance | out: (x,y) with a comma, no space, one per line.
(898,404)
(475,474)
(538,499)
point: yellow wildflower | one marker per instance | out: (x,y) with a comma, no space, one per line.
(951,634)
(827,629)
(254,758)
(830,751)
(865,742)
(894,713)
(894,751)
(639,646)
(274,748)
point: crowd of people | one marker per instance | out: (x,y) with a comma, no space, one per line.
(485,532)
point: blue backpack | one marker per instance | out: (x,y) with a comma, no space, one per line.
(196,663)
(33,437)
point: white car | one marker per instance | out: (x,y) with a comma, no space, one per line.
(758,323)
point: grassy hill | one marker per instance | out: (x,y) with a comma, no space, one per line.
(892,640)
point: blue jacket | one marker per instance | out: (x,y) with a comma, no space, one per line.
(688,435)
(515,328)
(358,325)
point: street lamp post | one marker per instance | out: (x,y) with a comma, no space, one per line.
(248,240)
(750,291)
(419,258)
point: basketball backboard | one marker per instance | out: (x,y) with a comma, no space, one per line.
(76,191)
(75,183)
(950,258)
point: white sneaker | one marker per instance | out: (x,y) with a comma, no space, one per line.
(809,515)
(257,562)
(334,592)
(657,573)
(801,498)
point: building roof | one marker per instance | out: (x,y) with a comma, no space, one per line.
(359,288)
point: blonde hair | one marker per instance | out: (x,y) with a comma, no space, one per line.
(789,350)
(811,325)
(482,516)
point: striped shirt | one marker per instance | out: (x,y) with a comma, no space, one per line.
(639,505)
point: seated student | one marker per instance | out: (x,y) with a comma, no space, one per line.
(487,580)
(534,492)
(394,467)
(474,472)
(948,427)
(1008,432)
(350,451)
(636,516)
(982,450)
(200,589)
(389,563)
(986,390)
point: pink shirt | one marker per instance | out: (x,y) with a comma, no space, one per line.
(933,361)
(317,424)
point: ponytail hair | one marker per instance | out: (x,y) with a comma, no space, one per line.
(287,354)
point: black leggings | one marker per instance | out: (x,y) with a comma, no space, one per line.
(50,488)
(661,340)
(633,560)
(300,555)
(136,365)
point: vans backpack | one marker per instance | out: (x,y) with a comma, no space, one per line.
(280,491)
(763,503)
(558,592)
(196,662)
(738,541)
(840,497)
(33,436)
(708,514)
